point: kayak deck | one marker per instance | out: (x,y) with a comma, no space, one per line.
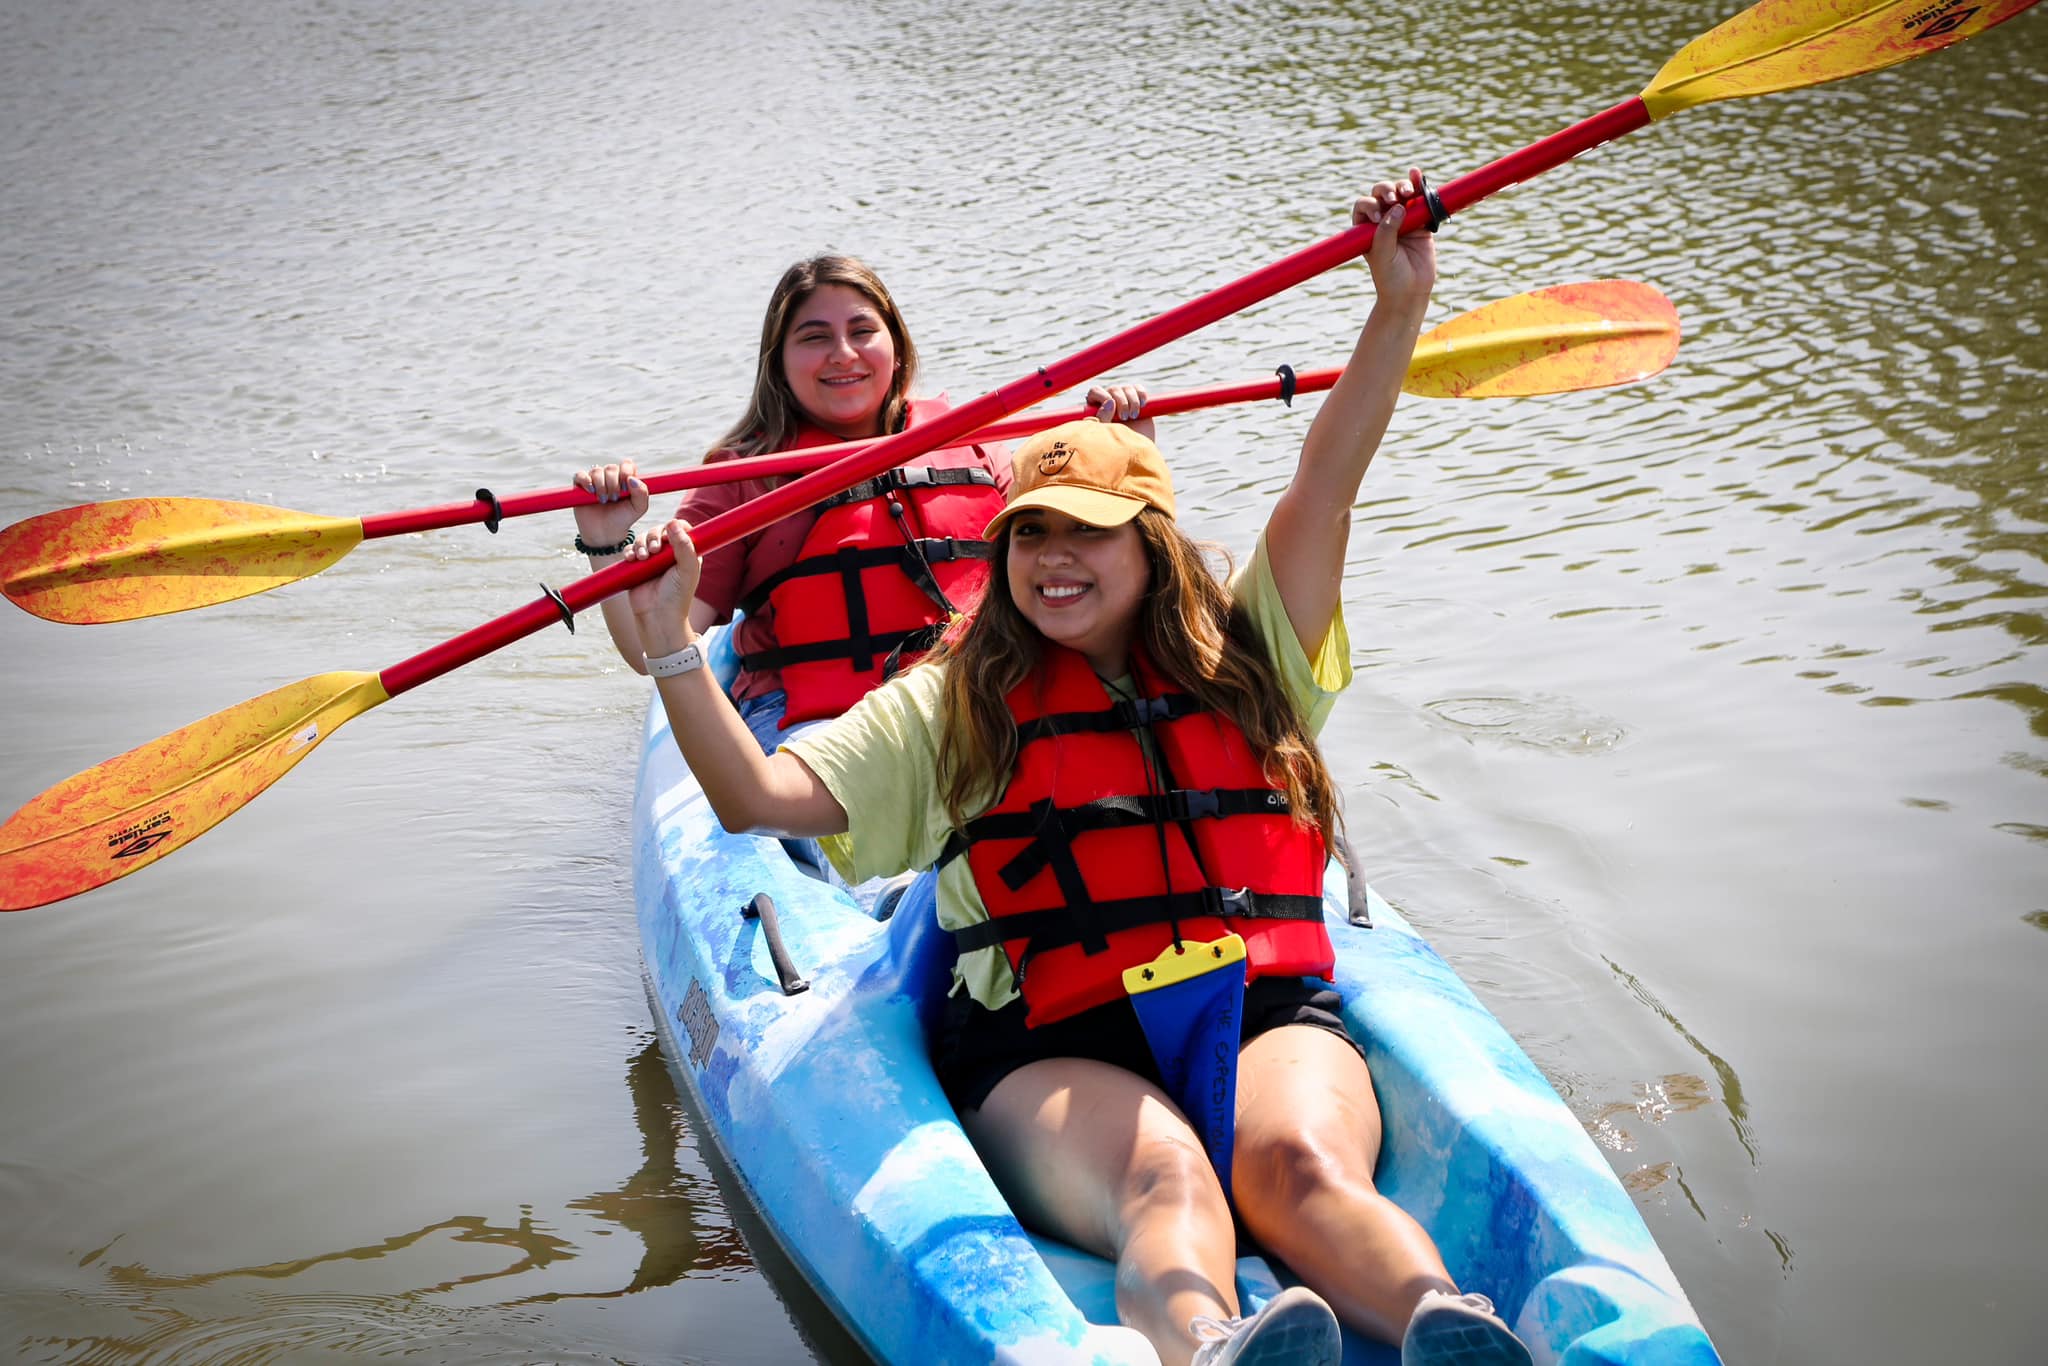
(826,1108)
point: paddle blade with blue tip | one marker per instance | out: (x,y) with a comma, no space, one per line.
(1190,1002)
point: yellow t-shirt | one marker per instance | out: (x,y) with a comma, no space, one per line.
(880,761)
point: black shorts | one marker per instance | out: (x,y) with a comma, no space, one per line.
(975,1048)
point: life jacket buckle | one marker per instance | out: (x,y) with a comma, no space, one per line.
(1235,901)
(1193,804)
(1145,712)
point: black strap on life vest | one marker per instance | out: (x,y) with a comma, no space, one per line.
(1055,928)
(1081,918)
(1126,713)
(862,644)
(852,559)
(1130,713)
(915,477)
(916,643)
(921,553)
(861,649)
(915,558)
(1051,829)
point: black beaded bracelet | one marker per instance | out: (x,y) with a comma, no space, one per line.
(588,549)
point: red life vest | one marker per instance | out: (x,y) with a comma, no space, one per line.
(1069,862)
(882,570)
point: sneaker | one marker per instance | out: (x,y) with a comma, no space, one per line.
(1459,1330)
(1294,1329)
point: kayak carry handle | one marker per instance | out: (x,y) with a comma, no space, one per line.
(1354,879)
(762,908)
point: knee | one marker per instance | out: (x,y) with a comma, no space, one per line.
(1169,1173)
(1287,1167)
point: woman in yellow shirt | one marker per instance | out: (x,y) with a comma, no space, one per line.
(1070,1117)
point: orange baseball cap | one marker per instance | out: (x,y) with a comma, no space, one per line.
(1100,473)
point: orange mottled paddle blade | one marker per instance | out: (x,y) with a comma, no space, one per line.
(135,808)
(1790,44)
(1548,341)
(144,557)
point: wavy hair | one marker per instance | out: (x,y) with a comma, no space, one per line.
(1186,627)
(772,417)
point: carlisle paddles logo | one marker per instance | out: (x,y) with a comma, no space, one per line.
(1055,460)
(135,840)
(1940,20)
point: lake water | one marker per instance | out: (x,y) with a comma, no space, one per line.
(1703,724)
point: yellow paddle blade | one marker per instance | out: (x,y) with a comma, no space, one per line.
(144,557)
(1548,341)
(1789,44)
(135,808)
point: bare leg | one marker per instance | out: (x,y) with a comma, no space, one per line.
(1308,1138)
(1099,1157)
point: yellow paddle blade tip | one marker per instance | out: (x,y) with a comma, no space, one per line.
(1589,335)
(1791,44)
(147,557)
(1179,962)
(138,807)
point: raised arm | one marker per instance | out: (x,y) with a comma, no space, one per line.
(1310,527)
(752,792)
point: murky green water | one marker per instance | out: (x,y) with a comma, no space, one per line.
(1703,725)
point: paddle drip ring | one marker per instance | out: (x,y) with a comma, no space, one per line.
(1437,212)
(496,513)
(1286,373)
(568,617)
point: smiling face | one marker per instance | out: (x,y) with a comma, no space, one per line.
(839,360)
(1080,585)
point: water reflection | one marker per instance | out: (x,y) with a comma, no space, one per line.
(676,1214)
(1731,1085)
(534,1249)
(672,1207)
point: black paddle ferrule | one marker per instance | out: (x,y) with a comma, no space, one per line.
(1437,212)
(568,617)
(496,513)
(1044,378)
(1286,373)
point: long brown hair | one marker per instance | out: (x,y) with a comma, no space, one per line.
(1186,626)
(772,416)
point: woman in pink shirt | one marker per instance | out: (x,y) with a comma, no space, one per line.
(836,363)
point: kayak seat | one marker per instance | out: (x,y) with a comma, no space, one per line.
(920,952)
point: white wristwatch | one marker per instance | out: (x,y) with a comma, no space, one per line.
(681,662)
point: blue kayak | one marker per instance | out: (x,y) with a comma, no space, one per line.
(812,1078)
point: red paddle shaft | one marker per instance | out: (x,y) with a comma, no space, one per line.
(816,458)
(947,428)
